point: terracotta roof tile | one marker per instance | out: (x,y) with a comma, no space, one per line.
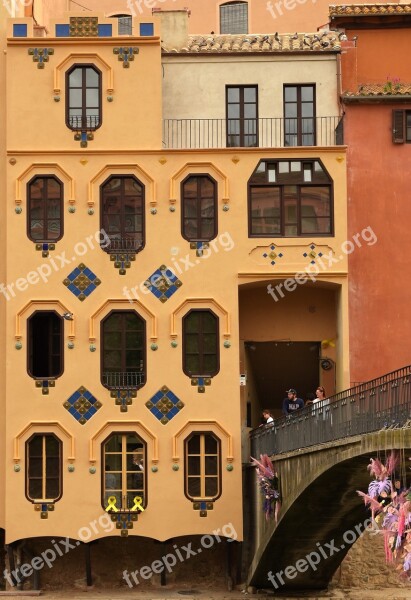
(381,89)
(286,42)
(366,10)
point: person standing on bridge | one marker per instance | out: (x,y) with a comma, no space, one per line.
(292,403)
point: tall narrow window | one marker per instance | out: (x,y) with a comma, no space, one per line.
(124,463)
(83,98)
(401,126)
(199,208)
(45,209)
(125,24)
(45,336)
(122,213)
(123,345)
(290,198)
(43,468)
(242,116)
(201,343)
(299,115)
(234,17)
(202,466)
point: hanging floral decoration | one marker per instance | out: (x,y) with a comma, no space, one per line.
(390,504)
(269,485)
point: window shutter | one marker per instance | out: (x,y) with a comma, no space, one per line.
(398,118)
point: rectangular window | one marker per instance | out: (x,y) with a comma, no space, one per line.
(401,126)
(242,116)
(299,115)
(202,466)
(234,17)
(43,464)
(45,337)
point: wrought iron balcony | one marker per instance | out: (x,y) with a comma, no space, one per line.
(252,133)
(383,403)
(117,380)
(89,123)
(115,244)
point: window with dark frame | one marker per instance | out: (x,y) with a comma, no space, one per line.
(124,471)
(290,198)
(202,453)
(199,208)
(83,98)
(201,348)
(401,126)
(234,17)
(125,24)
(299,115)
(242,116)
(43,468)
(123,350)
(122,213)
(45,209)
(45,347)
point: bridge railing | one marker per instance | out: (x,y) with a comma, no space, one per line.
(384,402)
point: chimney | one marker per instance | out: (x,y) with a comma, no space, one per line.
(174,27)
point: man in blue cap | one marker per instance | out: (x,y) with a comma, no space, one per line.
(292,403)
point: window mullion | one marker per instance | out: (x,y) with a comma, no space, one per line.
(282,211)
(83,95)
(202,466)
(124,471)
(299,212)
(44,474)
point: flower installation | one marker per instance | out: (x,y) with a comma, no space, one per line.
(269,485)
(390,504)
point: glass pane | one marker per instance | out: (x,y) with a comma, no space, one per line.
(211,467)
(35,467)
(193,445)
(290,94)
(209,364)
(53,189)
(191,343)
(135,481)
(233,112)
(190,229)
(209,321)
(316,225)
(92,98)
(134,340)
(193,364)
(211,487)
(315,201)
(190,207)
(117,496)
(307,109)
(53,230)
(192,322)
(290,230)
(133,442)
(53,467)
(113,462)
(112,360)
(35,488)
(133,322)
(210,343)
(211,445)
(250,94)
(233,94)
(272,174)
(290,204)
(52,446)
(76,78)
(112,340)
(130,498)
(319,174)
(194,465)
(75,98)
(52,488)
(194,487)
(92,78)
(284,167)
(250,112)
(113,481)
(113,444)
(307,93)
(53,208)
(135,462)
(207,229)
(113,322)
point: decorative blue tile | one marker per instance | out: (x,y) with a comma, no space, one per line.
(164,405)
(146,29)
(62,30)
(82,405)
(163,283)
(105,30)
(126,55)
(19,30)
(81,282)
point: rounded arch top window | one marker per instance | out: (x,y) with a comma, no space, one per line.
(84,98)
(45,209)
(199,208)
(122,213)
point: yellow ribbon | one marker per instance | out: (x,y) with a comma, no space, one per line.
(326,343)
(112,501)
(138,500)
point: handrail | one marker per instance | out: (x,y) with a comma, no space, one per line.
(384,402)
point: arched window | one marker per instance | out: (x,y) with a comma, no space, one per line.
(201,350)
(123,348)
(199,208)
(83,98)
(45,336)
(43,468)
(234,17)
(125,24)
(202,455)
(125,465)
(290,198)
(122,213)
(45,209)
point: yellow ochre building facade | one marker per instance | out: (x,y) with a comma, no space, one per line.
(139,242)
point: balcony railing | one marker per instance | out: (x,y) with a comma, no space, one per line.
(115,244)
(123,380)
(252,133)
(89,123)
(381,403)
